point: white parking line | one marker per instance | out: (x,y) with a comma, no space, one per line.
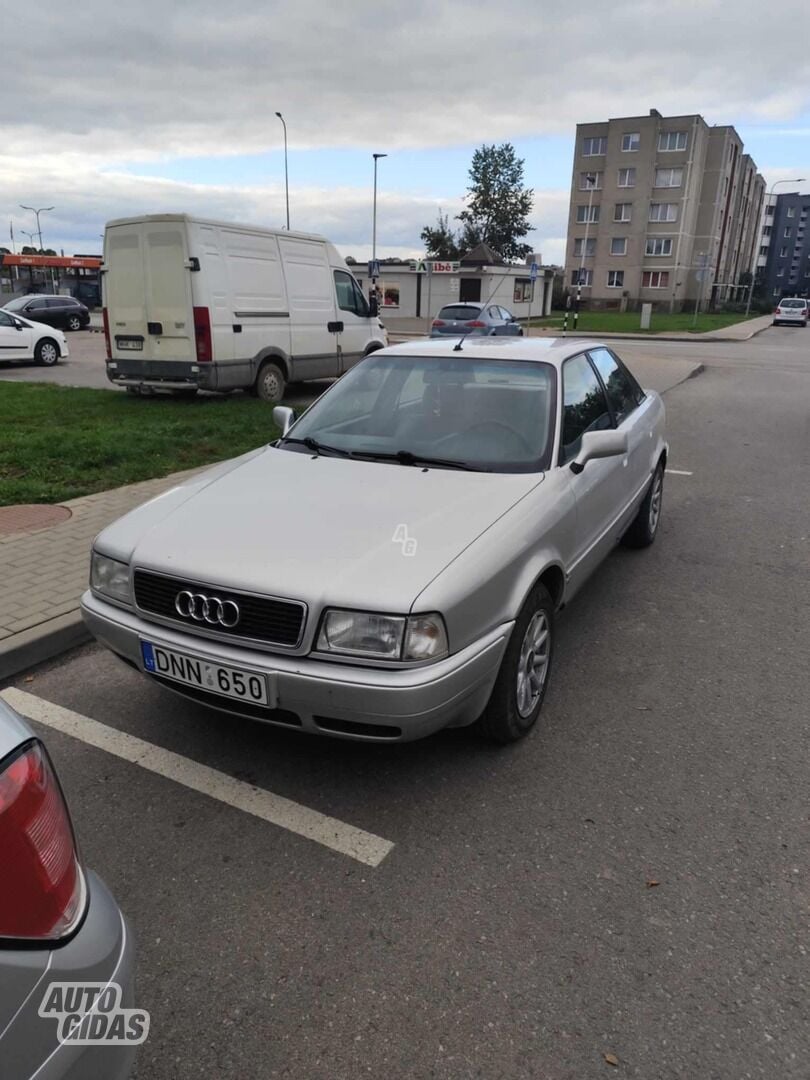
(337,835)
(679,472)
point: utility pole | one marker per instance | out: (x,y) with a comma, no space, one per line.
(286,173)
(374,227)
(590,179)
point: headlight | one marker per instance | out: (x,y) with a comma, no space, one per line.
(383,637)
(109,577)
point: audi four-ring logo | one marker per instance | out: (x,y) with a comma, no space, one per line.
(207,609)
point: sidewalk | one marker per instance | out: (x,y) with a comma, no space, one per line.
(400,329)
(44,571)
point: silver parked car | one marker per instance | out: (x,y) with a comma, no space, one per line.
(58,922)
(792,310)
(394,563)
(487,320)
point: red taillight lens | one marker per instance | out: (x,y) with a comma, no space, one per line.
(202,334)
(475,322)
(43,888)
(438,322)
(106,319)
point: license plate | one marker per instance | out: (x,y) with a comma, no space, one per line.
(135,344)
(217,678)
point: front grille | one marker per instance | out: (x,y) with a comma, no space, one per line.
(261,618)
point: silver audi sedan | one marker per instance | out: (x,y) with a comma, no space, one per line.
(394,563)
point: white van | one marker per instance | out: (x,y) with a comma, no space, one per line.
(193,304)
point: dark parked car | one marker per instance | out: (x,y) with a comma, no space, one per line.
(61,311)
(481,319)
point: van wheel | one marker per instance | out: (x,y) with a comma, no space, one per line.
(270,384)
(46,353)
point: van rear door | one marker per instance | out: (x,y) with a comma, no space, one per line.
(148,291)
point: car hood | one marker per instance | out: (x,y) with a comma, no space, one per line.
(322,529)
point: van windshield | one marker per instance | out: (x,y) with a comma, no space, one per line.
(481,413)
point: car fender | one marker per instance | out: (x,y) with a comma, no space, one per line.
(271,352)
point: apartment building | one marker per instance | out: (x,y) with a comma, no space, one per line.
(663,209)
(787,270)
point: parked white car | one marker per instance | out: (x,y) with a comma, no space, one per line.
(393,565)
(22,340)
(194,304)
(792,310)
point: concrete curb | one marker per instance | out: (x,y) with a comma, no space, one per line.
(42,642)
(695,339)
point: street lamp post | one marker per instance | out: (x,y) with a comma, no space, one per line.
(286,173)
(776,183)
(41,210)
(591,182)
(374,227)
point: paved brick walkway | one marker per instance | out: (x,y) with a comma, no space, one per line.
(44,571)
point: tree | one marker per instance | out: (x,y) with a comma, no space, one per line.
(440,241)
(497,204)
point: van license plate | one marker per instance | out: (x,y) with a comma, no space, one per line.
(216,678)
(135,344)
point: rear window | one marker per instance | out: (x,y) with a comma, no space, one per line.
(459,311)
(793,303)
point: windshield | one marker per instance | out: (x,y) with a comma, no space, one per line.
(18,304)
(487,414)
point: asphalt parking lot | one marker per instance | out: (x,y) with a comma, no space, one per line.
(630,881)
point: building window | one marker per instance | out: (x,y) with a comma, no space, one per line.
(663,211)
(767,230)
(671,140)
(780,272)
(615,279)
(783,253)
(594,147)
(590,181)
(627,178)
(791,211)
(618,245)
(786,232)
(769,211)
(668,177)
(764,249)
(623,211)
(658,245)
(589,248)
(582,277)
(583,215)
(631,141)
(524,291)
(655,279)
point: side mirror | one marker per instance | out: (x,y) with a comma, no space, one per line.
(599,444)
(284,418)
(373,307)
(18,325)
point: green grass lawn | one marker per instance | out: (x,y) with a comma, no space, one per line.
(57,443)
(627,322)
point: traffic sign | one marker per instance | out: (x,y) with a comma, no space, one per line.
(534,269)
(373,267)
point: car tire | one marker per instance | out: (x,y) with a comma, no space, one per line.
(519,690)
(270,384)
(46,353)
(74,323)
(644,526)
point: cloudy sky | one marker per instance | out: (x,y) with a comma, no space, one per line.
(159,105)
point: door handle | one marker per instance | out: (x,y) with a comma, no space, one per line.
(334,327)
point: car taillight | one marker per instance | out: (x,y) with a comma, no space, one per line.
(475,322)
(106,321)
(202,334)
(439,322)
(43,886)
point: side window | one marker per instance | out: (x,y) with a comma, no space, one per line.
(623,392)
(349,297)
(36,305)
(585,406)
(506,314)
(57,302)
(6,319)
(494,313)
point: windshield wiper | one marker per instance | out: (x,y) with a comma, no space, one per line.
(319,447)
(406,457)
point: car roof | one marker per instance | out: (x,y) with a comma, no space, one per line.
(542,350)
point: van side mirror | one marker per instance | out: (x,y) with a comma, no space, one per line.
(373,306)
(284,418)
(599,444)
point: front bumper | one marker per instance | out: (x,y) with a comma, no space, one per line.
(102,950)
(325,696)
